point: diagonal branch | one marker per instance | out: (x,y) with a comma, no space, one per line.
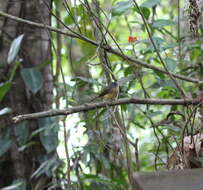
(107,48)
(157,51)
(91,106)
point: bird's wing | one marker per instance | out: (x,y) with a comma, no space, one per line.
(104,91)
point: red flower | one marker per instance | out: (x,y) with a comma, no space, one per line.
(132,39)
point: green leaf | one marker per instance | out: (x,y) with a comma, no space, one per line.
(166,83)
(173,128)
(167,92)
(48,166)
(5,111)
(19,184)
(85,58)
(144,10)
(43,65)
(85,80)
(36,132)
(152,113)
(171,64)
(13,71)
(42,169)
(159,74)
(121,7)
(22,148)
(14,49)
(159,42)
(33,79)
(160,23)
(150,3)
(100,182)
(49,136)
(69,19)
(5,142)
(128,70)
(196,53)
(22,133)
(169,46)
(199,159)
(4,88)
(122,81)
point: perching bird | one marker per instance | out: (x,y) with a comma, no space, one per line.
(109,93)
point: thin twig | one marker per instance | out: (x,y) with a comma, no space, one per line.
(137,155)
(67,153)
(186,124)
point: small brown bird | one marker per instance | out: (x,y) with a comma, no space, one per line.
(109,93)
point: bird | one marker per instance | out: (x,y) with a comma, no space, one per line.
(109,93)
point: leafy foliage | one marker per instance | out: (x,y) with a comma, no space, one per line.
(49,134)
(32,78)
(156,127)
(5,141)
(14,49)
(100,145)
(4,89)
(121,7)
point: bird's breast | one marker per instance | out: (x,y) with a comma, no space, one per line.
(112,94)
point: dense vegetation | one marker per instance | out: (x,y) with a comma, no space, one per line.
(153,49)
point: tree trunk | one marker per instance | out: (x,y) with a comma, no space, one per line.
(35,50)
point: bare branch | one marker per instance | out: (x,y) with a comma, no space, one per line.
(91,106)
(106,47)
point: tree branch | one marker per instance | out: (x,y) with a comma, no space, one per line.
(91,106)
(107,48)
